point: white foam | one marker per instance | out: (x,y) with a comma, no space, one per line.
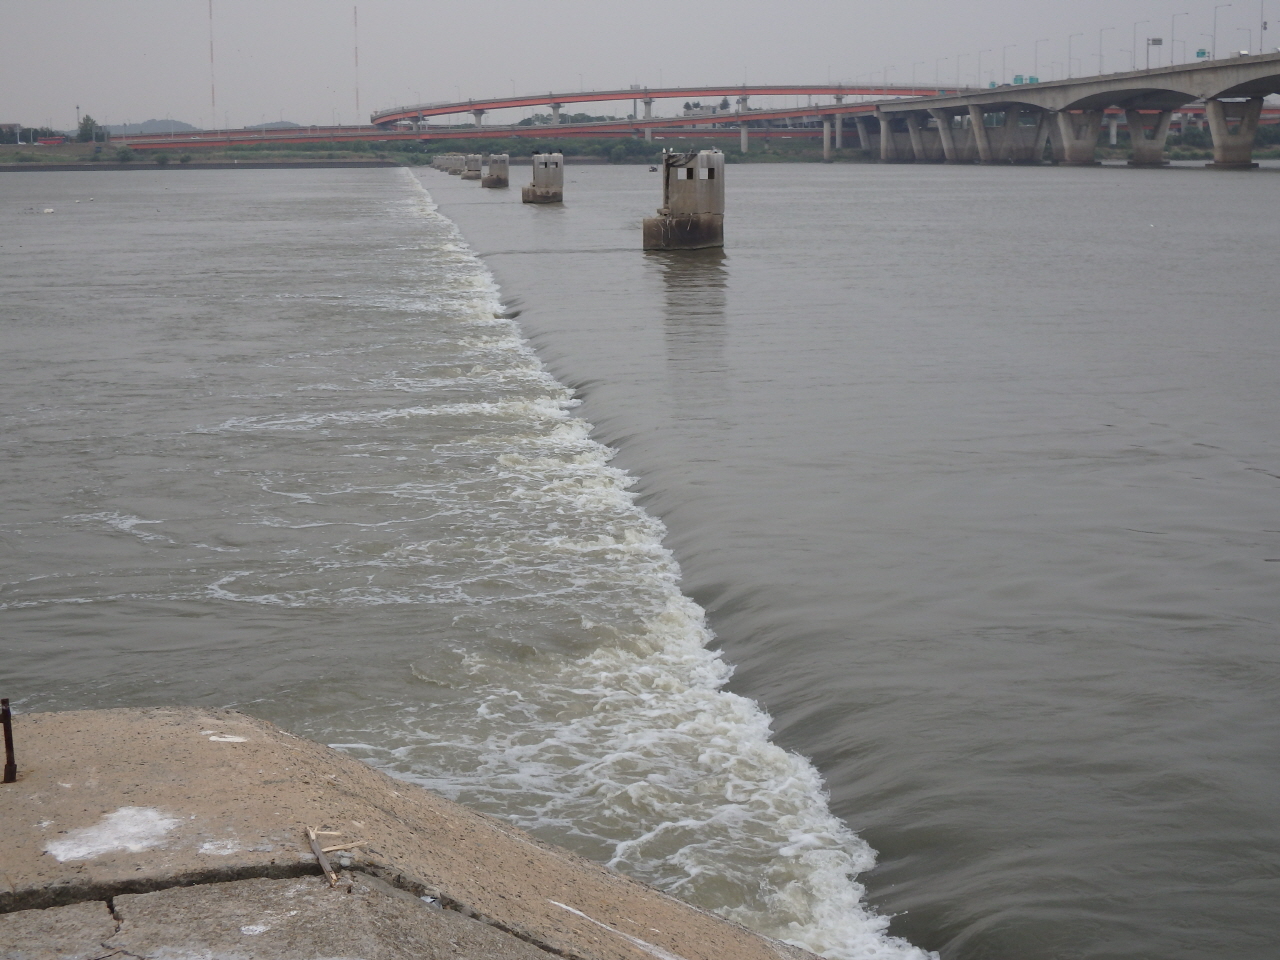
(129,828)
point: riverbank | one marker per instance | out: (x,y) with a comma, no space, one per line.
(180,830)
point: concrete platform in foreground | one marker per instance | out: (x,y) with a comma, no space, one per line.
(182,833)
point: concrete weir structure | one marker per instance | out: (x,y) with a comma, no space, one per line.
(692,213)
(181,832)
(1015,123)
(472,166)
(498,175)
(548,179)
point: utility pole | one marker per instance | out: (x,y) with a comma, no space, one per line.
(1100,33)
(1069,39)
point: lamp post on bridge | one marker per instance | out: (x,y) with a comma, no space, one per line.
(958,56)
(1214,44)
(980,53)
(1035,58)
(1134,52)
(937,71)
(1100,33)
(1069,39)
(1004,61)
(1173,29)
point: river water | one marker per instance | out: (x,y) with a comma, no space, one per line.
(968,476)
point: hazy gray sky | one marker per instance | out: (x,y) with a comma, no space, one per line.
(132,60)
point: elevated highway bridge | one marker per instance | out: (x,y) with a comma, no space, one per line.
(1006,124)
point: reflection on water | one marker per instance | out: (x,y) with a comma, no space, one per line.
(695,287)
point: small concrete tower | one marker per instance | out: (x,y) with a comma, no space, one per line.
(692,212)
(471,167)
(497,175)
(548,179)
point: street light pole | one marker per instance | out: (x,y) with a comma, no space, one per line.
(980,53)
(1069,39)
(1173,27)
(1035,59)
(1004,61)
(1100,33)
(1221,6)
(958,56)
(1134,51)
(937,71)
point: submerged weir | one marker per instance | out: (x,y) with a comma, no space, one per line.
(345,495)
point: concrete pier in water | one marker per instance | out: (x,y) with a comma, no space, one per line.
(498,175)
(548,179)
(472,167)
(178,832)
(692,213)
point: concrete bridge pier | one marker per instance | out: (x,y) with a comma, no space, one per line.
(555,111)
(839,119)
(648,107)
(479,115)
(1078,134)
(958,144)
(894,143)
(981,137)
(648,134)
(472,166)
(1025,144)
(916,136)
(742,137)
(1148,138)
(1233,150)
(826,140)
(864,133)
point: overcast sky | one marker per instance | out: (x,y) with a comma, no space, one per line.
(133,60)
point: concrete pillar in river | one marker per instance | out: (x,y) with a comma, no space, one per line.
(916,135)
(471,168)
(498,171)
(864,133)
(1233,151)
(1113,125)
(981,136)
(548,179)
(742,137)
(826,139)
(692,213)
(839,120)
(1078,135)
(1147,139)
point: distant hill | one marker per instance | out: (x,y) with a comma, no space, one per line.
(149,126)
(275,125)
